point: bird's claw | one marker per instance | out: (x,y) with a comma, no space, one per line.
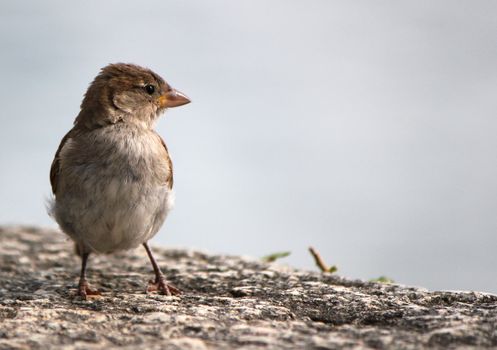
(84,290)
(160,285)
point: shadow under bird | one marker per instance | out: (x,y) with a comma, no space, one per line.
(112,177)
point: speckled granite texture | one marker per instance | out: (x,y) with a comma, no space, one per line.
(228,302)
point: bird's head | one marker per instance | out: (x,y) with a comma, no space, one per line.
(129,93)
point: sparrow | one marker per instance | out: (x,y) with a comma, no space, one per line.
(112,177)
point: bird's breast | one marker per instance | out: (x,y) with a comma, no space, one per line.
(113,188)
(121,153)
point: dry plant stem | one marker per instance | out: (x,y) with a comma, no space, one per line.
(318,260)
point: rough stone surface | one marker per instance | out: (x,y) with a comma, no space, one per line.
(228,302)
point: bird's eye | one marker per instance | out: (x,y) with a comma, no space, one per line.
(150,89)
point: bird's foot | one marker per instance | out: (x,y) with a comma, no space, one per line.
(84,290)
(160,285)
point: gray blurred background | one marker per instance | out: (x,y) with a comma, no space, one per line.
(364,128)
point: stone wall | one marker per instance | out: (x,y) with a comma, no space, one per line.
(228,302)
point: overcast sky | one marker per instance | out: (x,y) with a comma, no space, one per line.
(364,128)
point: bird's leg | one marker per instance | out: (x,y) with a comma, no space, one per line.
(160,283)
(83,287)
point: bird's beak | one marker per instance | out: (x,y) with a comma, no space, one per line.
(173,98)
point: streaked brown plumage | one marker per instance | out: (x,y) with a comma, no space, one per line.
(112,176)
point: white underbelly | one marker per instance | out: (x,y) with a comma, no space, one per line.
(114,214)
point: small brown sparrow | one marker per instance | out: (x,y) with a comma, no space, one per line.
(112,177)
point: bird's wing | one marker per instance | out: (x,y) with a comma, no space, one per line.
(55,168)
(170,178)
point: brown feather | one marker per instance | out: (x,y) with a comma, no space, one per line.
(170,179)
(55,168)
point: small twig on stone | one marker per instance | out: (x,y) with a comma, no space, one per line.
(320,263)
(382,279)
(275,256)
